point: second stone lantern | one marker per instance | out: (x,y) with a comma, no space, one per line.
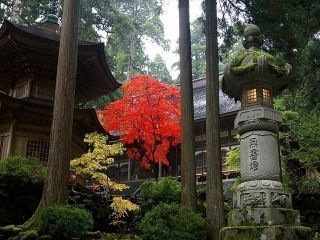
(255,77)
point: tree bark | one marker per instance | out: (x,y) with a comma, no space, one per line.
(188,164)
(214,193)
(56,187)
(16,11)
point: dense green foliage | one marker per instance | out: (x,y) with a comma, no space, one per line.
(172,222)
(159,70)
(300,148)
(166,190)
(26,169)
(65,221)
(201,202)
(233,159)
(139,20)
(198,49)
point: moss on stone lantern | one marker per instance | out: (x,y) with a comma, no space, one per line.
(254,69)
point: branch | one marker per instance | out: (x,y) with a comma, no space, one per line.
(238,8)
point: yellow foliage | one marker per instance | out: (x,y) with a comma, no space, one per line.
(121,207)
(94,163)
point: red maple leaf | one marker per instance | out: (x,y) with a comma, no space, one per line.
(147,118)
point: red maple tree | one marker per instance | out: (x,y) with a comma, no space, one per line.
(147,118)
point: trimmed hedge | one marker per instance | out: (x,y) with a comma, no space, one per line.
(172,222)
(65,221)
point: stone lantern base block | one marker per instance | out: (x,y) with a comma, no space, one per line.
(266,233)
(261,194)
(264,216)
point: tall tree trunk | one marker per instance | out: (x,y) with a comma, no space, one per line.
(188,164)
(214,194)
(130,60)
(16,11)
(56,187)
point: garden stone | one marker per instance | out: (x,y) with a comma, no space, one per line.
(45,237)
(17,230)
(7,230)
(92,235)
(14,238)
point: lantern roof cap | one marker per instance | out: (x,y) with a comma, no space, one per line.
(254,66)
(252,37)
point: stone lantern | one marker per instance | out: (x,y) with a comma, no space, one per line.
(260,202)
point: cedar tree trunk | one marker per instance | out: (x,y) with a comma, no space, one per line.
(188,164)
(56,186)
(214,194)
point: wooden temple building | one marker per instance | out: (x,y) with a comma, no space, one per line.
(28,66)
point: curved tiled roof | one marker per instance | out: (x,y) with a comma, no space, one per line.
(226,104)
(35,49)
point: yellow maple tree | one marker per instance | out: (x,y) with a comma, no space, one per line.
(94,165)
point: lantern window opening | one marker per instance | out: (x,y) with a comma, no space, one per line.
(251,95)
(266,95)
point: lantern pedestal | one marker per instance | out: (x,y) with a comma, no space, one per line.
(266,233)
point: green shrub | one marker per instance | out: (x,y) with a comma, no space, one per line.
(166,190)
(172,222)
(65,221)
(26,169)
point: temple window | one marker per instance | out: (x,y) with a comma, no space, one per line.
(251,95)
(38,149)
(266,96)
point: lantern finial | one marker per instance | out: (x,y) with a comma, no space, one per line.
(52,13)
(252,37)
(53,7)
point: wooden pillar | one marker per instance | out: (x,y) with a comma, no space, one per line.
(11,137)
(119,171)
(129,170)
(229,137)
(56,187)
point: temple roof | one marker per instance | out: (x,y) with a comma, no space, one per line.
(87,118)
(35,50)
(226,104)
